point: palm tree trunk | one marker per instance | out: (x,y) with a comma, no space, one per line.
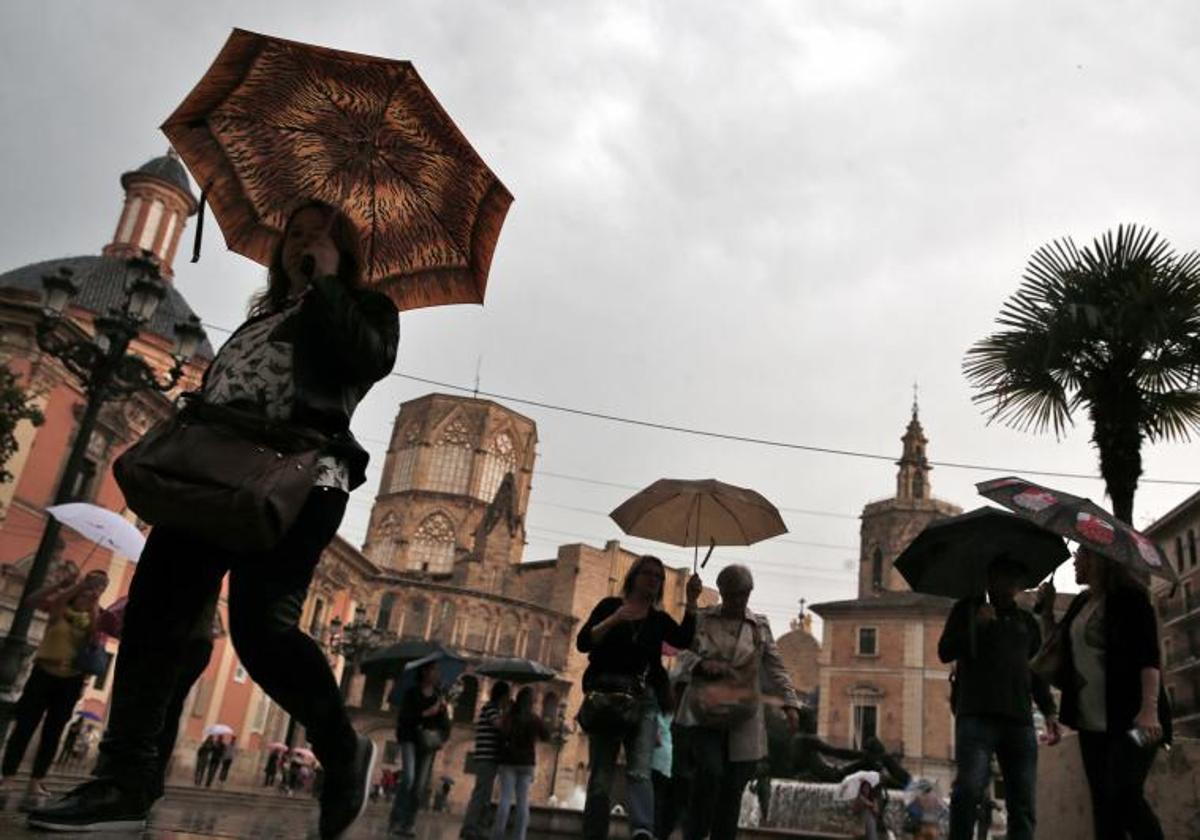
(1117,436)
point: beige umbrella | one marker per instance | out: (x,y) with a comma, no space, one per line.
(699,512)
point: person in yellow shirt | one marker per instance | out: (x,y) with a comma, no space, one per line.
(55,683)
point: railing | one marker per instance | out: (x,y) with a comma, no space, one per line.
(1186,655)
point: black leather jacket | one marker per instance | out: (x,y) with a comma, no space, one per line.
(345,341)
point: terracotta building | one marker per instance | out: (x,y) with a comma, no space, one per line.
(1179,610)
(879,671)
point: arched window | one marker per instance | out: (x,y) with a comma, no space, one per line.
(450,459)
(533,645)
(416,616)
(464,707)
(1191,547)
(499,460)
(477,632)
(918,485)
(1179,552)
(383,621)
(433,545)
(877,569)
(443,623)
(550,710)
(506,644)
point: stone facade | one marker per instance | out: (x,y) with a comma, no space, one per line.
(800,651)
(1177,533)
(879,672)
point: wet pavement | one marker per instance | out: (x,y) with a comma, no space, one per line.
(185,815)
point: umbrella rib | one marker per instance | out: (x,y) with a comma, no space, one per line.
(736,521)
(294,129)
(428,207)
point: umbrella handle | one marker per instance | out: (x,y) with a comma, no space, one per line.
(711,545)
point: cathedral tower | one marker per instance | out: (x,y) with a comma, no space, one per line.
(890,525)
(446,496)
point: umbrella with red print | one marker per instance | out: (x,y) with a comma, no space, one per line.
(1081,520)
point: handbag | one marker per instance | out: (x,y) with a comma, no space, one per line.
(232,477)
(91,659)
(730,699)
(613,706)
(1051,659)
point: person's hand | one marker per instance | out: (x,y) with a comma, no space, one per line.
(694,587)
(793,719)
(986,613)
(1053,730)
(324,255)
(1147,721)
(1045,598)
(64,574)
(629,612)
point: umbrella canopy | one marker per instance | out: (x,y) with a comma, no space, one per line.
(219,729)
(699,512)
(514,670)
(950,557)
(275,121)
(304,754)
(391,660)
(111,620)
(1081,520)
(450,667)
(848,788)
(90,716)
(102,526)
(277,746)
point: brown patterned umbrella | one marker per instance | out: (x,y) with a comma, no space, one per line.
(274,122)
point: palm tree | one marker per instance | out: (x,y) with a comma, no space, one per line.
(1114,330)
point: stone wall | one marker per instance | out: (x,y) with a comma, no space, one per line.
(1064,804)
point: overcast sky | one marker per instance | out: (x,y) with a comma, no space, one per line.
(762,218)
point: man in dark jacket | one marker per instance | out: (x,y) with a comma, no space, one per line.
(991,644)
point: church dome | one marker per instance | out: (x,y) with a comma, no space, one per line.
(169,169)
(101,282)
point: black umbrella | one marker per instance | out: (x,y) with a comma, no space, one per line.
(390,660)
(514,670)
(951,556)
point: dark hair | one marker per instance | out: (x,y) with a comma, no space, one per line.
(500,691)
(636,569)
(345,237)
(1114,574)
(523,705)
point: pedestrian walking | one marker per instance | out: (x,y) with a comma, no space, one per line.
(721,734)
(991,643)
(866,806)
(485,762)
(522,729)
(314,344)
(228,758)
(66,753)
(923,816)
(56,680)
(215,759)
(271,768)
(422,726)
(1112,692)
(623,639)
(203,756)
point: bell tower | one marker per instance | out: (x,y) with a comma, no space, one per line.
(158,201)
(912,479)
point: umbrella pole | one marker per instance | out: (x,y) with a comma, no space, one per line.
(696,539)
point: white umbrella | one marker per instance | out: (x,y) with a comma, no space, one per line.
(219,729)
(848,789)
(102,526)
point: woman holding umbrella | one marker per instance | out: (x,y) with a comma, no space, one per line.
(55,682)
(623,638)
(421,728)
(1112,691)
(314,344)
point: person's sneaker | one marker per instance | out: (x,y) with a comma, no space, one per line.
(96,805)
(343,799)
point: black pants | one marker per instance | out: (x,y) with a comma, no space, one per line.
(177,575)
(716,783)
(670,797)
(1116,770)
(196,654)
(44,695)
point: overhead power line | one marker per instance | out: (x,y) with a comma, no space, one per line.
(757,441)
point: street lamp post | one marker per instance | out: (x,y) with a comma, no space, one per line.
(558,738)
(108,372)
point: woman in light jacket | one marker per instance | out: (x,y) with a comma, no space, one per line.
(733,652)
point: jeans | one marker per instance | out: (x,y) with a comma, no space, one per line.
(177,576)
(417,764)
(702,758)
(976,738)
(1116,770)
(43,694)
(514,786)
(475,818)
(603,748)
